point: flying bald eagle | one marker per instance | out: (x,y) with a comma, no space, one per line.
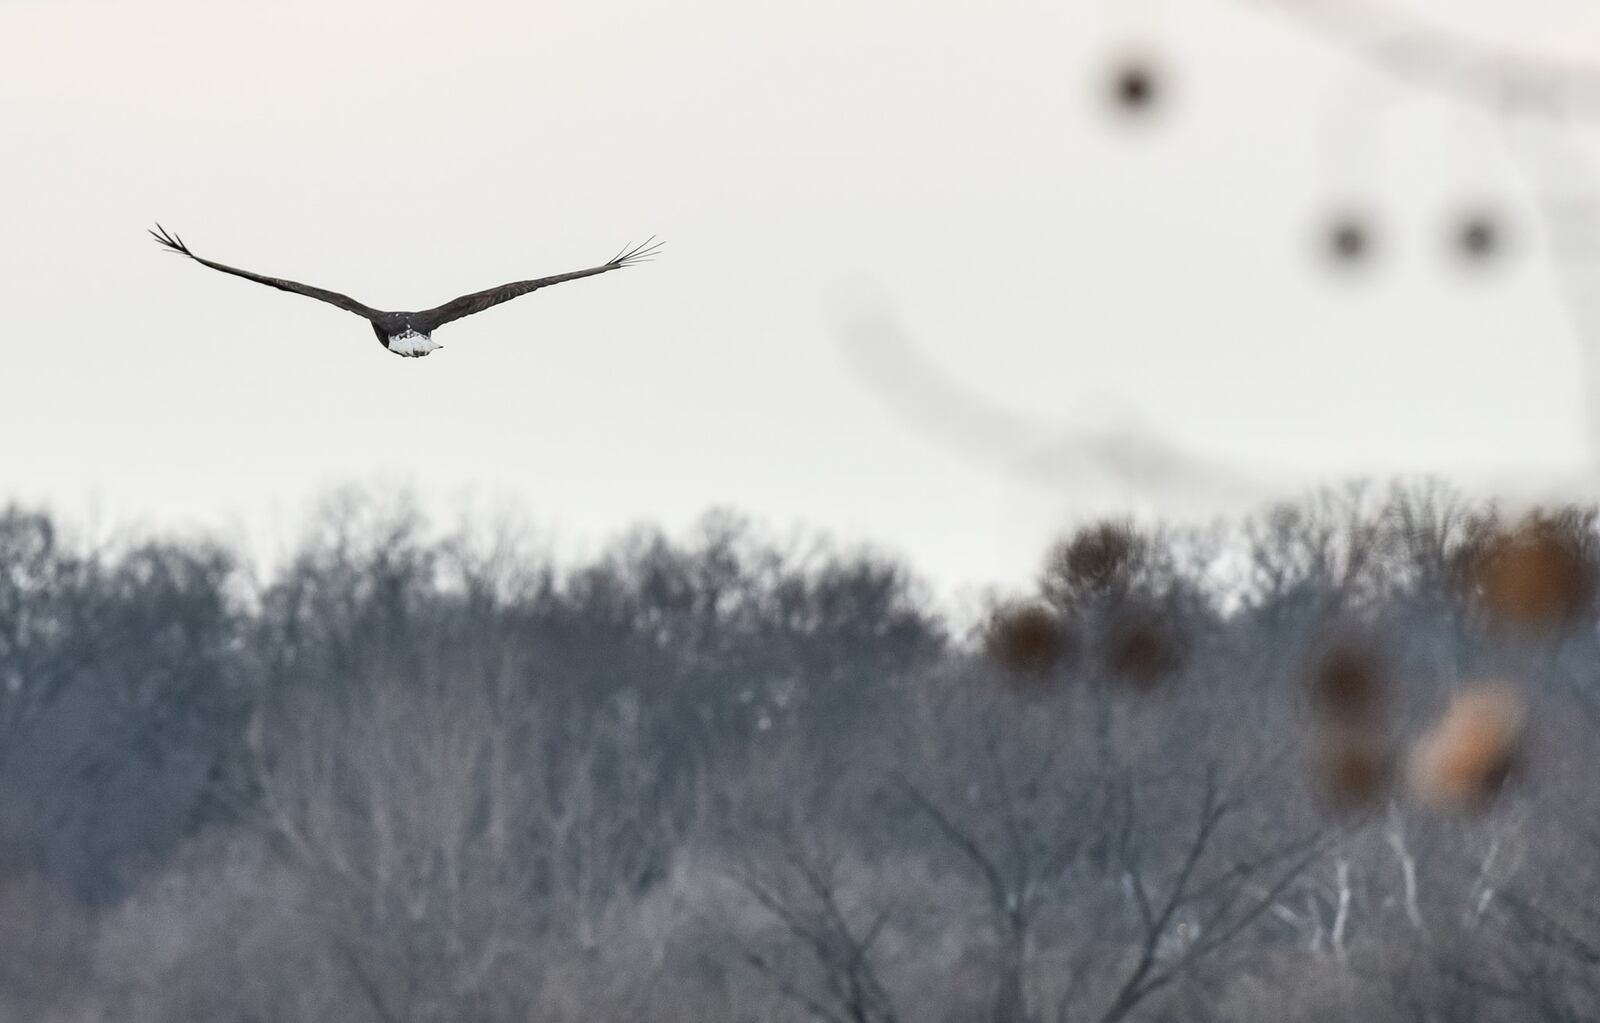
(411,334)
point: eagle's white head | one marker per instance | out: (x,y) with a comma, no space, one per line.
(411,344)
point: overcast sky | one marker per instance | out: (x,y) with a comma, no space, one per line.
(911,265)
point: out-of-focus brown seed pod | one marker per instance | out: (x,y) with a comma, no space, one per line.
(1479,233)
(1142,649)
(1093,561)
(1353,767)
(1478,237)
(1027,639)
(1346,681)
(1134,86)
(1350,239)
(1534,575)
(1464,759)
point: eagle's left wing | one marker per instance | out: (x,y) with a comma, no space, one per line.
(175,244)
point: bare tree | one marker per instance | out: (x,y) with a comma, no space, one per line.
(795,878)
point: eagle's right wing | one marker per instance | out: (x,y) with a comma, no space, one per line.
(175,244)
(430,320)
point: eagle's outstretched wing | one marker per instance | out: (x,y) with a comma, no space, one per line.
(345,302)
(429,320)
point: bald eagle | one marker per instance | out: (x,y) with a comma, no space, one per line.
(411,334)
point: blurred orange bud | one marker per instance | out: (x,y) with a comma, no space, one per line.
(1467,755)
(1534,575)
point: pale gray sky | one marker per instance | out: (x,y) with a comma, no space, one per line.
(943,170)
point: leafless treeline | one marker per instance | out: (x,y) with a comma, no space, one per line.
(413,778)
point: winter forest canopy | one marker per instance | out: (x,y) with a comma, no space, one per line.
(1332,761)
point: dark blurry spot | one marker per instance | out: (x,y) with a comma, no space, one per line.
(1026,639)
(1534,575)
(1095,560)
(1353,761)
(1346,682)
(1352,767)
(1479,237)
(1142,649)
(1349,240)
(1466,758)
(1135,87)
